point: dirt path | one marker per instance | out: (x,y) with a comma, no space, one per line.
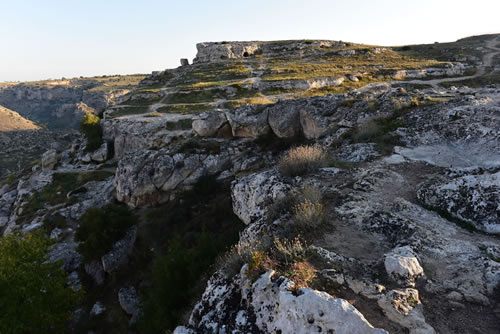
(482,69)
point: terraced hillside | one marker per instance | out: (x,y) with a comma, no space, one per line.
(230,74)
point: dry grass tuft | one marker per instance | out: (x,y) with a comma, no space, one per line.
(302,160)
(309,214)
(301,273)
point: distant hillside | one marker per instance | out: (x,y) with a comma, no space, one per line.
(12,121)
(61,104)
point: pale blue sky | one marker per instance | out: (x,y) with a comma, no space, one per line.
(43,39)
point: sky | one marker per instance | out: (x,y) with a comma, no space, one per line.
(50,39)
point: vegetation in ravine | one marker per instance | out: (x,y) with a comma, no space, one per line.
(91,128)
(196,228)
(99,229)
(34,296)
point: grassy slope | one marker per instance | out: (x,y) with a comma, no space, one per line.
(12,121)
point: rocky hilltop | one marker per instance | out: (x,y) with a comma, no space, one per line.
(284,187)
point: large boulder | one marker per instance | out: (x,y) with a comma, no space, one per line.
(284,118)
(141,175)
(313,124)
(248,122)
(209,124)
(278,309)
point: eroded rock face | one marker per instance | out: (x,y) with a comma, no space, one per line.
(268,306)
(149,177)
(142,133)
(471,198)
(252,195)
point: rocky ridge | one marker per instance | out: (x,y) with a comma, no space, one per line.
(409,240)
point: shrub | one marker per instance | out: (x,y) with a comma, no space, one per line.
(256,260)
(33,293)
(302,160)
(92,130)
(100,228)
(289,250)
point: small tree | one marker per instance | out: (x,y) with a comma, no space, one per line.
(92,130)
(34,297)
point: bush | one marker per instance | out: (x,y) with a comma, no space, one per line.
(175,275)
(302,160)
(33,293)
(92,130)
(100,228)
(289,250)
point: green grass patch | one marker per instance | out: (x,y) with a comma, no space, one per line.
(185,109)
(128,111)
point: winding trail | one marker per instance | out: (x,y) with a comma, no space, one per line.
(482,69)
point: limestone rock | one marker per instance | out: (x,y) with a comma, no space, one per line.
(404,307)
(253,193)
(94,269)
(278,309)
(129,301)
(184,62)
(66,251)
(120,252)
(49,160)
(402,266)
(268,306)
(358,152)
(471,198)
(209,124)
(97,309)
(313,125)
(248,122)
(284,119)
(101,154)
